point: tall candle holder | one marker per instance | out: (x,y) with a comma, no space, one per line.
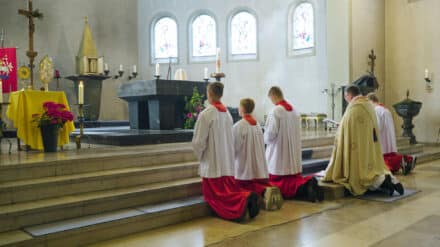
(218,76)
(81,119)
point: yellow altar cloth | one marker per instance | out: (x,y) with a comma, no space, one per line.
(23,104)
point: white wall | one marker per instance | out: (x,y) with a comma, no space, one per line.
(114,28)
(302,78)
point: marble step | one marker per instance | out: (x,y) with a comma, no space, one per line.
(403,141)
(16,216)
(94,228)
(327,140)
(41,188)
(411,149)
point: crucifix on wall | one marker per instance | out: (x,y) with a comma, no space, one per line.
(30,13)
(372,57)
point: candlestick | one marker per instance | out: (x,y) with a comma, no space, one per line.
(106,67)
(1,91)
(134,69)
(426,73)
(81,93)
(157,69)
(218,63)
(205,76)
(121,67)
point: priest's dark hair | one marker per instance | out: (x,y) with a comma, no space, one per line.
(353,90)
(276,91)
(248,105)
(216,88)
(373,97)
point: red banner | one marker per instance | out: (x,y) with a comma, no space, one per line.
(8,69)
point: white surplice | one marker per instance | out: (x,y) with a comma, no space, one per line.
(282,134)
(213,143)
(386,129)
(250,160)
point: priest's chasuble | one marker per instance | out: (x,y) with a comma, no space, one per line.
(357,158)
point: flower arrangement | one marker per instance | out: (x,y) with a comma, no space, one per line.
(53,114)
(193,107)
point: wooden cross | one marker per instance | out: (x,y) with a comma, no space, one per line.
(30,13)
(372,61)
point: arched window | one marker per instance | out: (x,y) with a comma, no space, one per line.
(302,29)
(165,39)
(203,36)
(243,34)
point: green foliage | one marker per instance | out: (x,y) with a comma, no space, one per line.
(193,107)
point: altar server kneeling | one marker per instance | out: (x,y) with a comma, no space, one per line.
(213,145)
(283,138)
(250,162)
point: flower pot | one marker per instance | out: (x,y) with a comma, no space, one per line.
(49,134)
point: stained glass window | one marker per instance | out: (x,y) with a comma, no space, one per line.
(204,36)
(243,34)
(165,38)
(303,27)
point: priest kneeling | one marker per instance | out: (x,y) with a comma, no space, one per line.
(393,160)
(213,145)
(357,162)
(283,138)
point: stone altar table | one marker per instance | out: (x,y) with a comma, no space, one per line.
(158,104)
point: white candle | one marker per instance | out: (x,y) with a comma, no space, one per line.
(218,63)
(206,74)
(134,69)
(81,93)
(106,67)
(426,73)
(1,91)
(157,69)
(121,67)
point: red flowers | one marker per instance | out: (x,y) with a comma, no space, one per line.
(54,114)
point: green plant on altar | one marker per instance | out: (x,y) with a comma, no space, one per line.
(54,114)
(193,107)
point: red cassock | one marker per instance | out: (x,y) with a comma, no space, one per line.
(288,184)
(225,197)
(394,160)
(256,185)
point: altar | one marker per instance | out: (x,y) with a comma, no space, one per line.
(158,104)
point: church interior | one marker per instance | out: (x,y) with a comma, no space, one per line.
(99,102)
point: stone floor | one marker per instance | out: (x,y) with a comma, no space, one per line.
(413,221)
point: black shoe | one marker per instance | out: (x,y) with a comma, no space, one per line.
(399,188)
(312,190)
(253,205)
(387,186)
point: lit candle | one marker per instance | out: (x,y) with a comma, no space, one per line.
(134,69)
(206,74)
(426,73)
(218,63)
(81,93)
(157,69)
(106,67)
(121,68)
(1,91)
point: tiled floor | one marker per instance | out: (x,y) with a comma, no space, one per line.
(414,221)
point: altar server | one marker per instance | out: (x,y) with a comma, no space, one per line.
(250,162)
(357,162)
(393,160)
(283,153)
(213,145)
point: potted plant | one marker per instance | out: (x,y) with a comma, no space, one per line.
(193,107)
(54,117)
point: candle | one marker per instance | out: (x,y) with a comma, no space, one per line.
(1,91)
(218,63)
(157,69)
(81,93)
(426,73)
(206,74)
(134,69)
(121,68)
(106,67)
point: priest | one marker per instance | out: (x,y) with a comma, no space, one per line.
(393,160)
(357,162)
(213,145)
(283,153)
(250,163)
